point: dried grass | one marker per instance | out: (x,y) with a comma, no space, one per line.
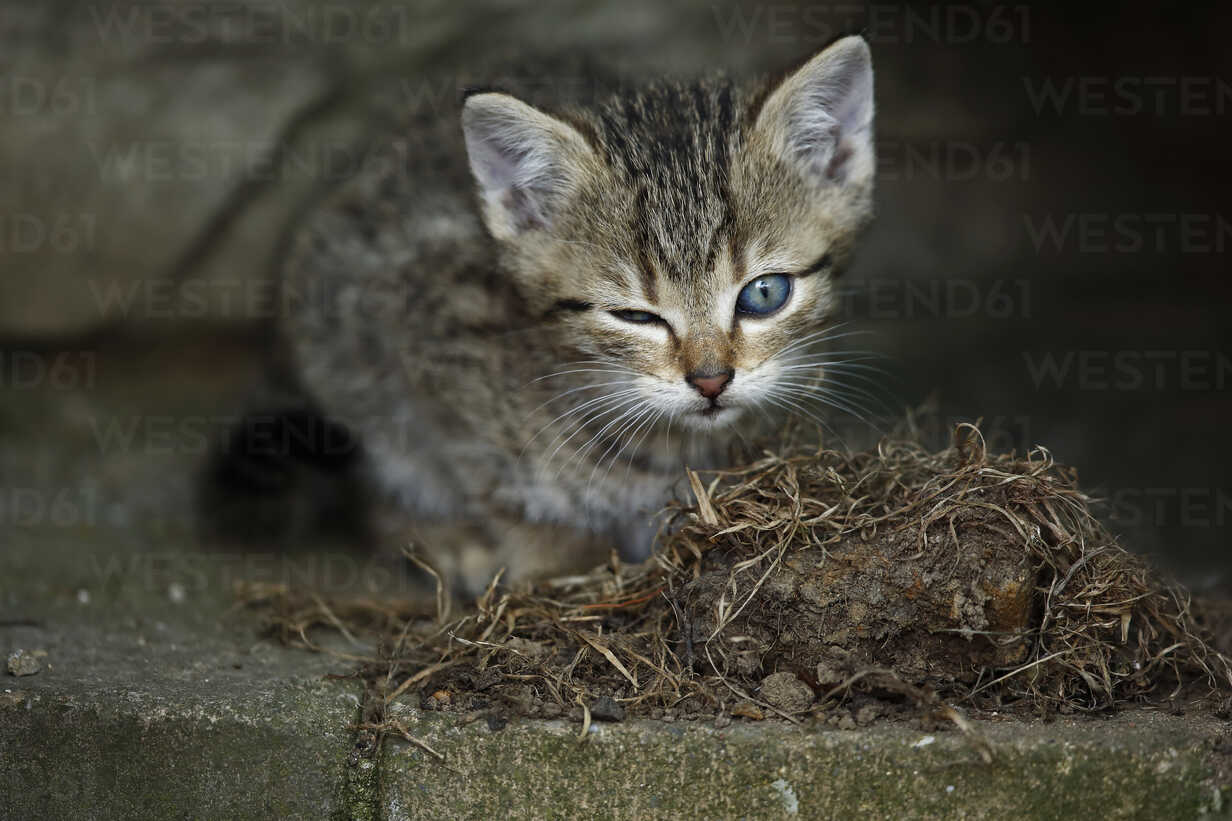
(1105,631)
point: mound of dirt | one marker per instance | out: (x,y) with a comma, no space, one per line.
(807,583)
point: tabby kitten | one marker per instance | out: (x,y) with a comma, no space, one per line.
(643,279)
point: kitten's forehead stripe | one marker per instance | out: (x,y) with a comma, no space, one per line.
(650,286)
(674,143)
(720,235)
(736,249)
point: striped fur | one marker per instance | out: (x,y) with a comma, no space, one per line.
(453,305)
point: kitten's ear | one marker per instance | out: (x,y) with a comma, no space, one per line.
(527,164)
(820,118)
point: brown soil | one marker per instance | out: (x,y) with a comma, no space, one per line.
(813,584)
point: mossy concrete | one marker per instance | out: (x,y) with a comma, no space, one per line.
(155,701)
(1137,765)
(121,728)
(157,698)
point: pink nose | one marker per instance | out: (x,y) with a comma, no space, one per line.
(709,385)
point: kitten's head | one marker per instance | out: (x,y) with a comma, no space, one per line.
(686,233)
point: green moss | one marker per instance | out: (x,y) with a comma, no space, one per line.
(358,796)
(128,755)
(288,755)
(1121,769)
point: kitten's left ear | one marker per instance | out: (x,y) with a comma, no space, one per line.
(820,118)
(527,164)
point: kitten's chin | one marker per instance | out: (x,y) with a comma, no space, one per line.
(711,419)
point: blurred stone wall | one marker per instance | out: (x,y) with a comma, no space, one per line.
(153,145)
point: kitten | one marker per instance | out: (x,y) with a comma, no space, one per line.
(530,357)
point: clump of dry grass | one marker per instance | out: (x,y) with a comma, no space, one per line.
(1103,629)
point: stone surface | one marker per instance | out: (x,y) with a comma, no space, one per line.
(1133,766)
(607,708)
(208,732)
(787,692)
(26,662)
(157,698)
(134,142)
(156,709)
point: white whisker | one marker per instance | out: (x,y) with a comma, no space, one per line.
(859,412)
(615,407)
(581,370)
(644,412)
(851,404)
(631,407)
(563,394)
(782,403)
(832,356)
(818,338)
(648,424)
(839,388)
(598,400)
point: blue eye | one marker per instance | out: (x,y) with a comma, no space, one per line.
(637,317)
(764,295)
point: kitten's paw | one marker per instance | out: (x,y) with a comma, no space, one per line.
(469,557)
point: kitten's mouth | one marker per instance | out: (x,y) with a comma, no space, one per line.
(711,418)
(717,414)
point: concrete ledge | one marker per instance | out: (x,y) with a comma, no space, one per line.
(153,703)
(206,729)
(1136,765)
(157,700)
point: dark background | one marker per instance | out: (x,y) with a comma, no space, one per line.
(1050,254)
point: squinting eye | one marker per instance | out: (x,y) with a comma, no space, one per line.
(764,295)
(638,317)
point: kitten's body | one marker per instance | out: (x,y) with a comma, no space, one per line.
(474,350)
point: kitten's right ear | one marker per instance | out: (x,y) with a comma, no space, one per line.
(527,164)
(820,118)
